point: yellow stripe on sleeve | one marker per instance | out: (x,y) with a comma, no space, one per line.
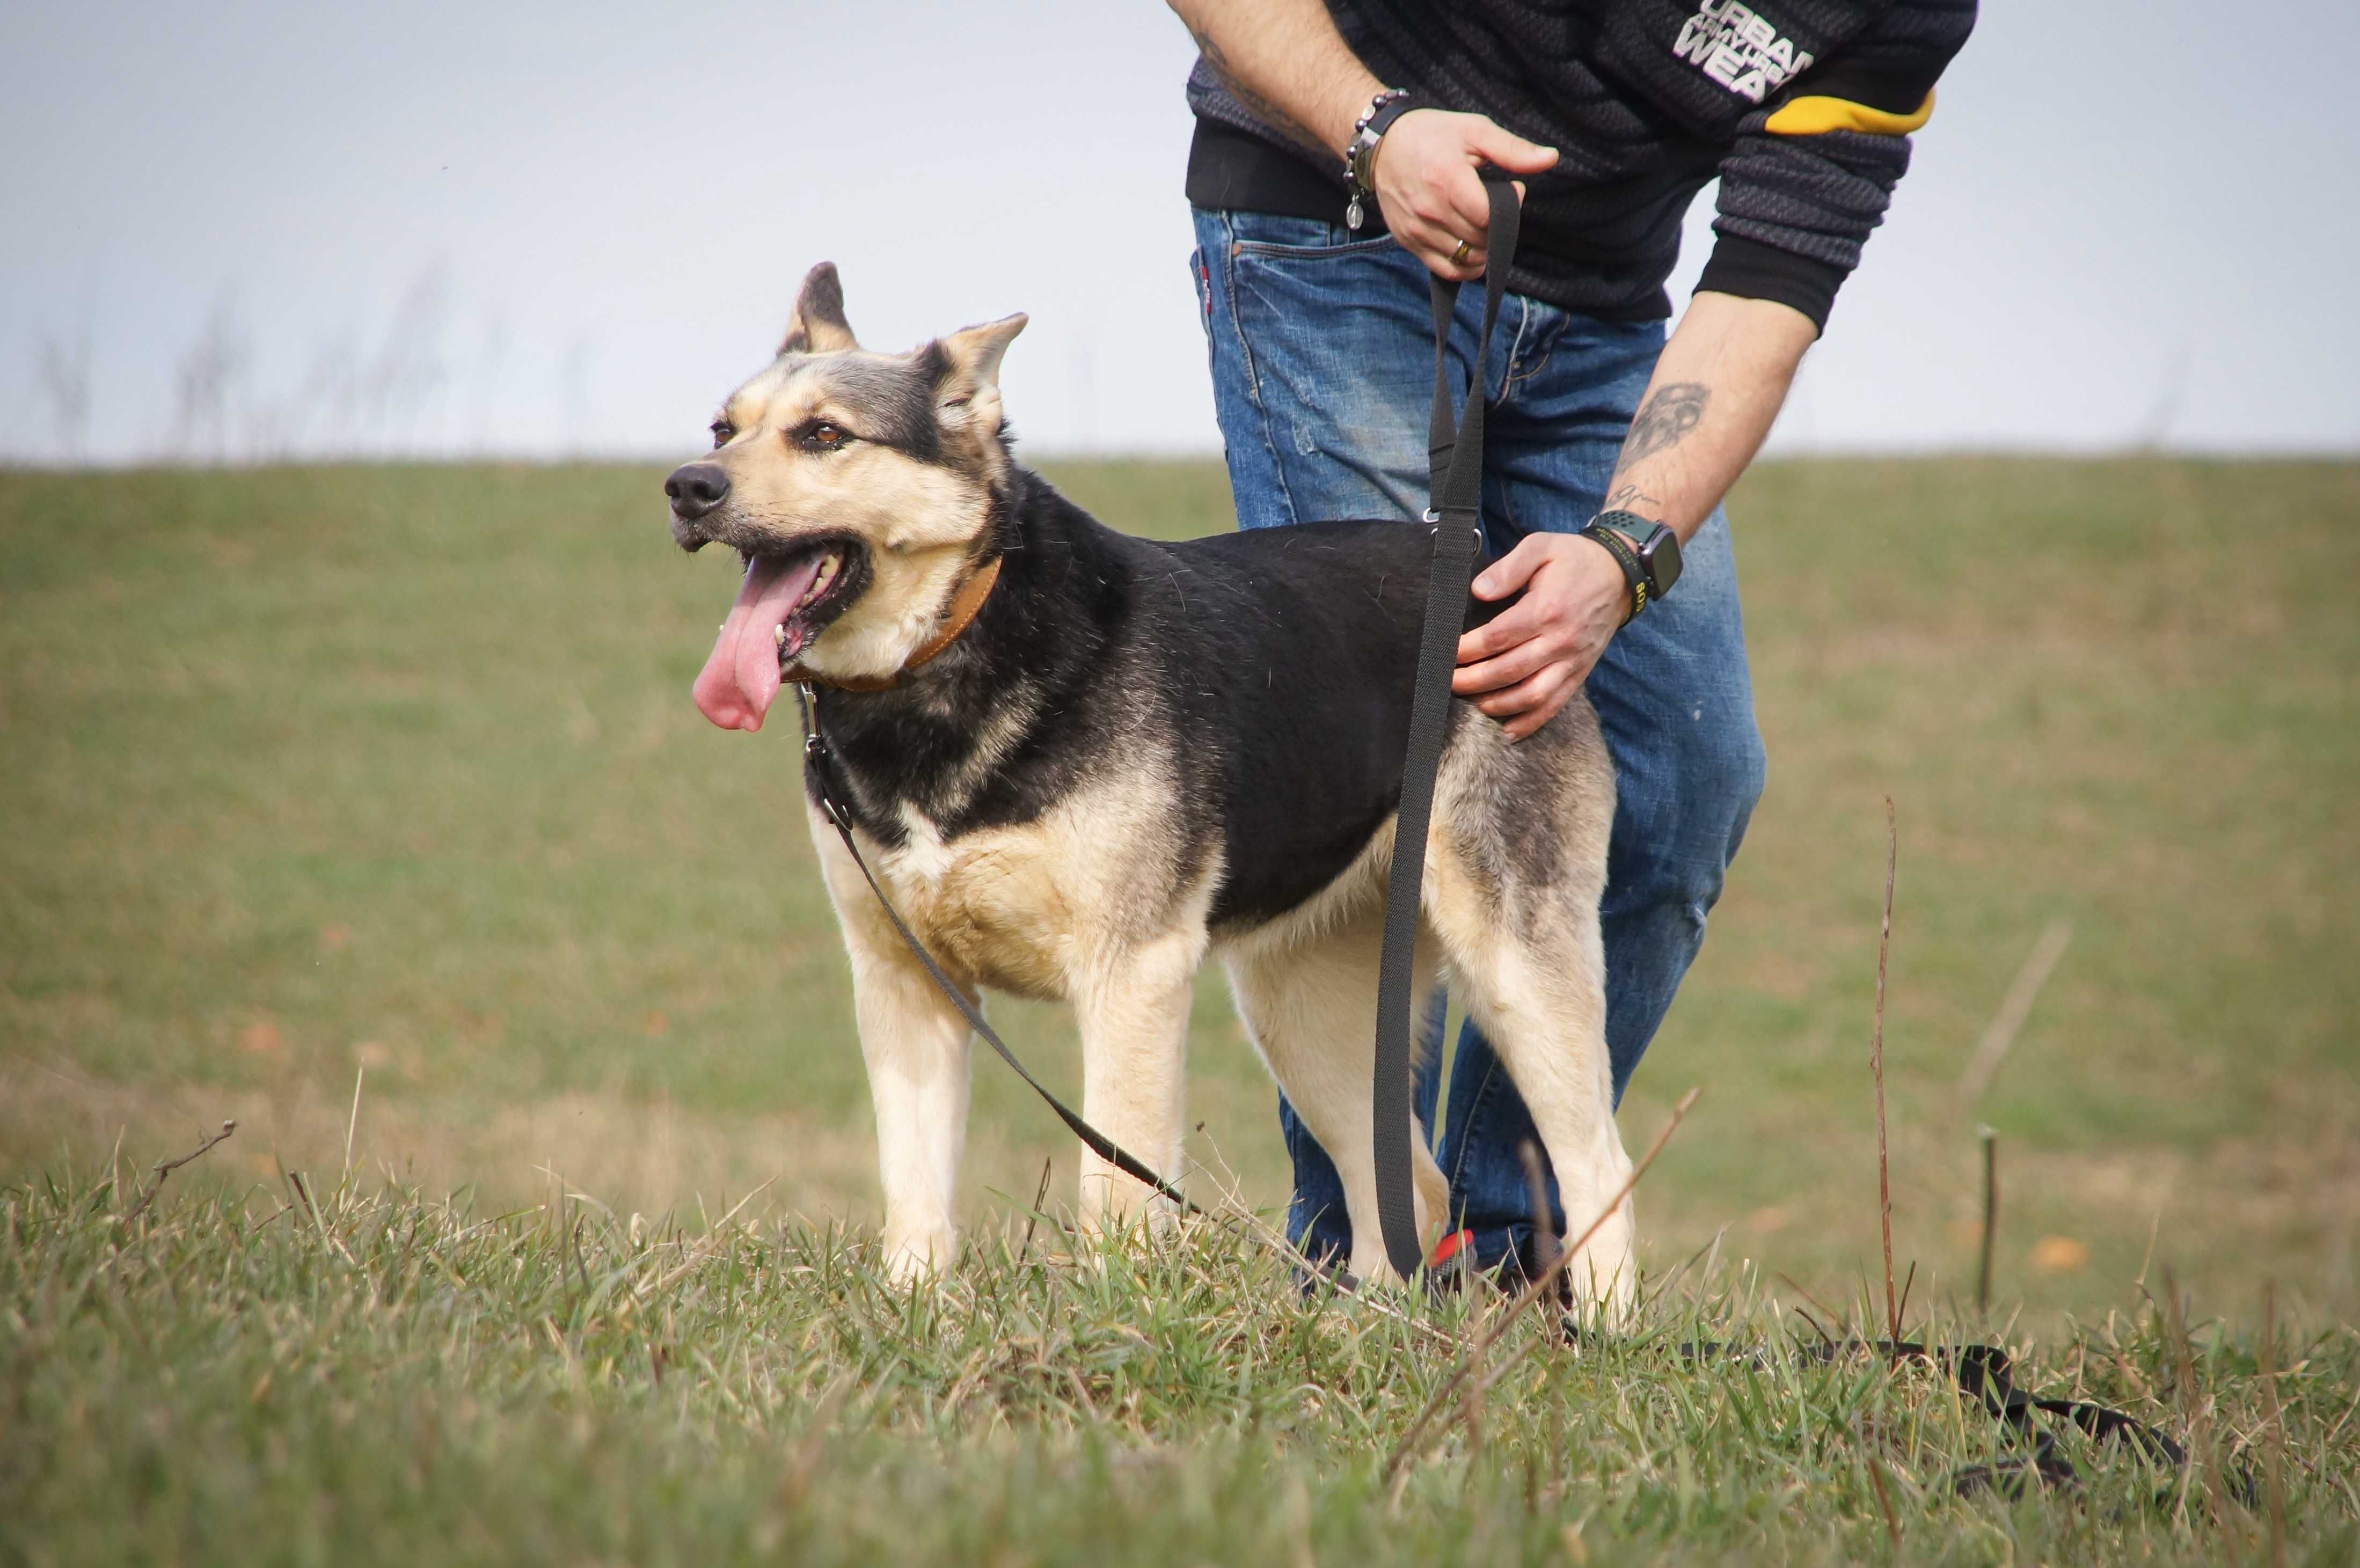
(1810,117)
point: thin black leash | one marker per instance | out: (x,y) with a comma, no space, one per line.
(821,761)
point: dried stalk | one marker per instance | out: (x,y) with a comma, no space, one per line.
(1876,1068)
(1542,1282)
(167,1167)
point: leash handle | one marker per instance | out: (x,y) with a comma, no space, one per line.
(1455,490)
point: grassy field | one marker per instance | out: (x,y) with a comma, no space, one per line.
(390,774)
(380,1378)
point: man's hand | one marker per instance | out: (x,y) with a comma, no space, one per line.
(1531,660)
(1428,190)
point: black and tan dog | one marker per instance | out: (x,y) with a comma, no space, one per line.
(1082,761)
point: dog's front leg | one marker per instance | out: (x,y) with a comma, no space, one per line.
(916,1045)
(1134,1024)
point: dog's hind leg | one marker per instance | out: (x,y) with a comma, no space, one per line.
(1133,1015)
(1513,873)
(916,1047)
(1518,919)
(1310,1004)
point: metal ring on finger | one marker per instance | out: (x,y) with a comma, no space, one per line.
(1458,257)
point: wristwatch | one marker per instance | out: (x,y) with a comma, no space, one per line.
(1648,552)
(1360,155)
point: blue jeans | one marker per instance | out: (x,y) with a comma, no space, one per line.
(1322,349)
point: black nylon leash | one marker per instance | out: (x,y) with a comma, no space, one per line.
(1984,1374)
(1455,489)
(822,764)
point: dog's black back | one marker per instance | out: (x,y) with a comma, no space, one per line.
(1276,665)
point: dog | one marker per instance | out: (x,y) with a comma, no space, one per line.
(1121,757)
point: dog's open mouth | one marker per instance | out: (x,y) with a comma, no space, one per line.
(785,601)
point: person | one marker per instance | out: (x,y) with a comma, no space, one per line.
(1334,165)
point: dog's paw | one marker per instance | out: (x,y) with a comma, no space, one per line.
(916,1258)
(1602,1280)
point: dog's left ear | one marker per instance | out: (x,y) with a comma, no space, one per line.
(817,323)
(969,380)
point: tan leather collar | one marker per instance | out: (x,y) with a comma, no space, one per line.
(964,606)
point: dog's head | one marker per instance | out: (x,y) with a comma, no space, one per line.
(861,490)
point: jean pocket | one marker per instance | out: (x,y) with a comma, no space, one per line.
(1269,235)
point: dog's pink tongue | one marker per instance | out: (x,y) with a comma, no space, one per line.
(740,680)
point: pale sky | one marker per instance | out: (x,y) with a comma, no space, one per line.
(539,229)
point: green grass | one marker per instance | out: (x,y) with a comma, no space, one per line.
(383,1379)
(310,772)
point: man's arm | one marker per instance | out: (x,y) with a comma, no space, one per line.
(1808,178)
(1715,390)
(1285,62)
(1717,387)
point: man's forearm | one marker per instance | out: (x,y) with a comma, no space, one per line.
(1717,387)
(1288,62)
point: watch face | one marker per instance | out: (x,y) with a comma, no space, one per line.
(1664,561)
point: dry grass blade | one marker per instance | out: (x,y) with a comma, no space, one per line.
(1991,1221)
(1234,1216)
(2204,1453)
(166,1168)
(704,1251)
(1883,1496)
(2013,1008)
(1876,1069)
(353,1125)
(1039,1197)
(1543,1282)
(2274,1431)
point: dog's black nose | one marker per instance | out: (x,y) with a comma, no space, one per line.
(696,488)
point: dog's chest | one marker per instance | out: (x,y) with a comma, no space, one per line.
(990,904)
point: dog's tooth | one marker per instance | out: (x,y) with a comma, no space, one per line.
(779,631)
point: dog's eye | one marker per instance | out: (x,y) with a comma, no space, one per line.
(825,437)
(722,432)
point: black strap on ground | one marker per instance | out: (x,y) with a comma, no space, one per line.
(1984,1374)
(1456,492)
(822,764)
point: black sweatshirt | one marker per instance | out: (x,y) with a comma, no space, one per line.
(1800,107)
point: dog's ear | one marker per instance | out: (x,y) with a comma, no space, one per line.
(968,379)
(817,324)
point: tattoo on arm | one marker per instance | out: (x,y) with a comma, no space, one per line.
(1664,419)
(1629,498)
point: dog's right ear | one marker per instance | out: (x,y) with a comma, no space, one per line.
(817,324)
(967,372)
